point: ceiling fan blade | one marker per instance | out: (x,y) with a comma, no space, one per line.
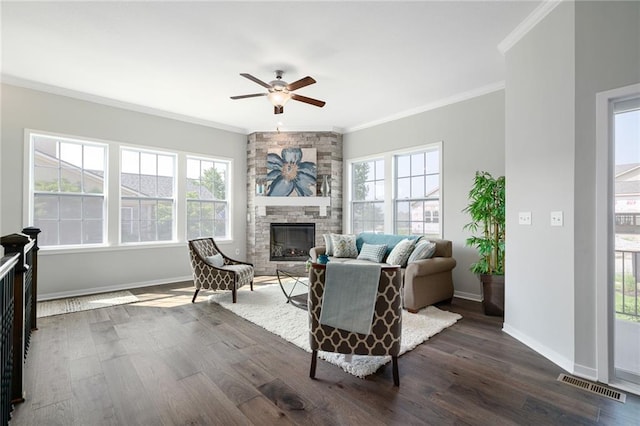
(300,83)
(308,100)
(278,109)
(255,80)
(248,96)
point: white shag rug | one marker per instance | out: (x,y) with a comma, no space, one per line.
(84,303)
(266,306)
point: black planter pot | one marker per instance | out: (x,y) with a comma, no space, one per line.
(493,291)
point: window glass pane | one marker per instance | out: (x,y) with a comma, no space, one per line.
(403,166)
(379,169)
(148,209)
(94,158)
(92,207)
(417,164)
(404,188)
(93,183)
(417,186)
(70,180)
(49,232)
(193,189)
(70,232)
(402,210)
(165,210)
(45,179)
(148,164)
(70,207)
(164,230)
(379,190)
(369,191)
(433,183)
(130,231)
(45,150)
(165,165)
(433,162)
(46,207)
(130,209)
(71,154)
(93,231)
(193,169)
(130,162)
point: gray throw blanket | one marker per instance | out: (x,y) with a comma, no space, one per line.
(349,298)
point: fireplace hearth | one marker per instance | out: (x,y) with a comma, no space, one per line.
(291,241)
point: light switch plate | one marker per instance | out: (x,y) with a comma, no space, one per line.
(524,218)
(557,219)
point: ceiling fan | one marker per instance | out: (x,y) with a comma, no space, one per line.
(279,91)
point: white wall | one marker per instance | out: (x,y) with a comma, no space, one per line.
(553,75)
(540,164)
(80,272)
(472,135)
(607,57)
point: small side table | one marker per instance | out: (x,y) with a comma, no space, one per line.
(286,279)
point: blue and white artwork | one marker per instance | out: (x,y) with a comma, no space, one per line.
(291,172)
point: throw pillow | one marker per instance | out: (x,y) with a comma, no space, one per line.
(216,260)
(328,244)
(424,250)
(372,252)
(344,245)
(401,252)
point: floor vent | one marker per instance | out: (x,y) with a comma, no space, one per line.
(593,388)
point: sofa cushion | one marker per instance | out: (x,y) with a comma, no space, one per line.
(424,250)
(389,239)
(344,246)
(373,252)
(401,252)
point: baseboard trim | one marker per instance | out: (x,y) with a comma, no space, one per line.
(117,287)
(468,296)
(551,355)
(585,372)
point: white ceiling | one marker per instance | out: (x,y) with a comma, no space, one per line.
(372,60)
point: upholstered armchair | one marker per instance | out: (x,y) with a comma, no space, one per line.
(212,270)
(386,329)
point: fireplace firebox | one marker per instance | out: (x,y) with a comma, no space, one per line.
(291,241)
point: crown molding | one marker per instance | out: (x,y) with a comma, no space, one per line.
(470,94)
(42,87)
(538,14)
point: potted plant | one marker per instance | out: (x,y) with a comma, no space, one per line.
(487,210)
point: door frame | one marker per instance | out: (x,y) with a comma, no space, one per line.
(605,240)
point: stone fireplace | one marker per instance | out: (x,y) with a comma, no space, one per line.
(324,213)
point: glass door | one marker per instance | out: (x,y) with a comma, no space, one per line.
(625,285)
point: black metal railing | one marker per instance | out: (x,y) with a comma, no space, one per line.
(627,287)
(7,275)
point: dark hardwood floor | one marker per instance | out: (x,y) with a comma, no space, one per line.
(167,361)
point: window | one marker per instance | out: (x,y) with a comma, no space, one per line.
(147,188)
(67,190)
(417,201)
(398,192)
(207,198)
(367,196)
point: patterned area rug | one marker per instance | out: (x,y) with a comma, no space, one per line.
(84,303)
(266,306)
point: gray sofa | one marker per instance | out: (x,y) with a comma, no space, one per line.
(425,281)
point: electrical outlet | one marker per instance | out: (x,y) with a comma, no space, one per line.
(524,218)
(556,219)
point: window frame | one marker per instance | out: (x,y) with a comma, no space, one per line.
(227,200)
(157,198)
(31,192)
(365,202)
(390,185)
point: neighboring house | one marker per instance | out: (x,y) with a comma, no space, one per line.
(627,205)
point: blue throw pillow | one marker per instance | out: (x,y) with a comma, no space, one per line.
(328,244)
(373,252)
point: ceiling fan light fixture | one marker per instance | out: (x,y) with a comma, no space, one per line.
(279,98)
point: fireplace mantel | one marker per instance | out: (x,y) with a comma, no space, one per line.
(262,202)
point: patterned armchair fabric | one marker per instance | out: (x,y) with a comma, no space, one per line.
(230,276)
(386,328)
